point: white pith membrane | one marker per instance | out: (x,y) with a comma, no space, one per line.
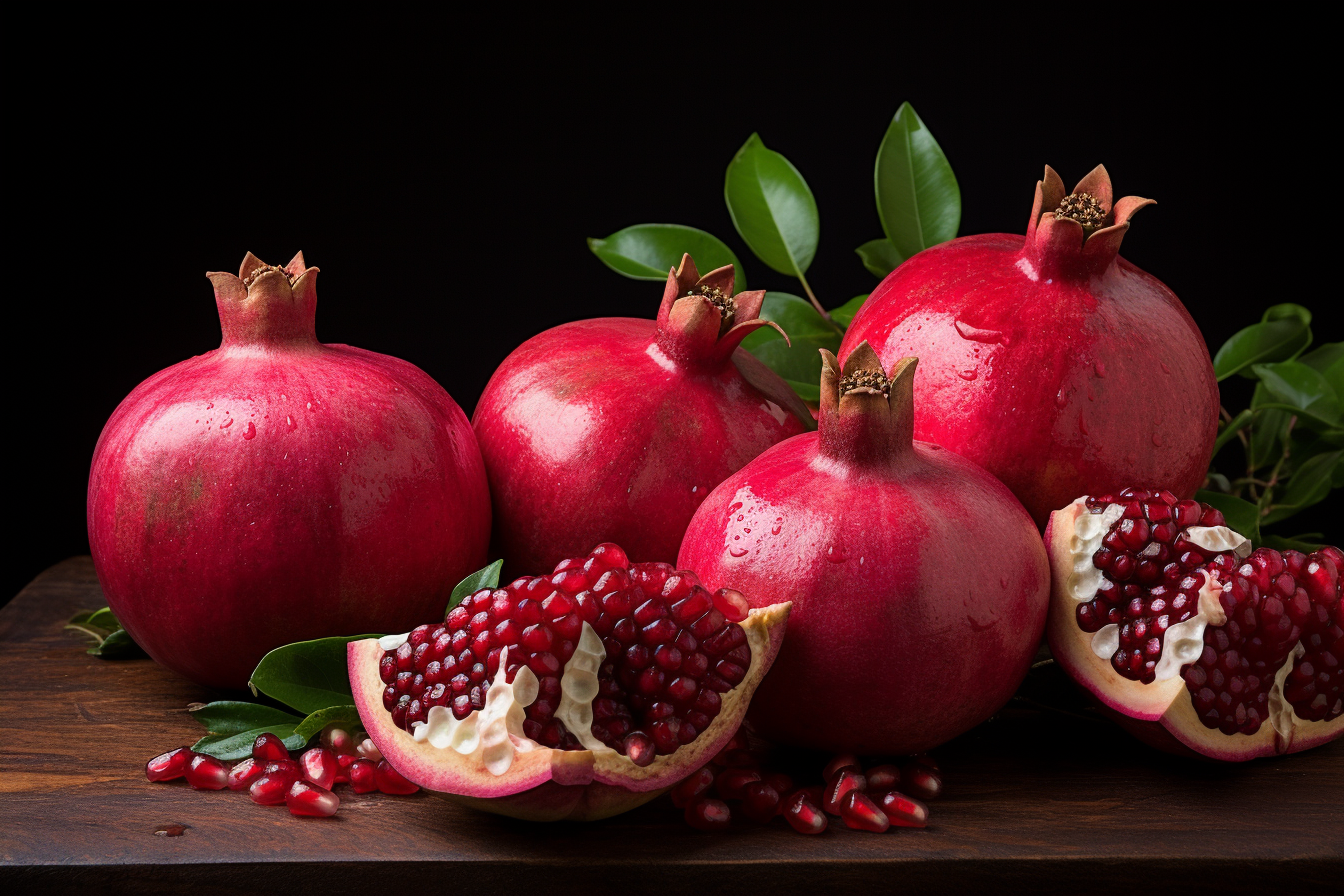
(493,758)
(1076,533)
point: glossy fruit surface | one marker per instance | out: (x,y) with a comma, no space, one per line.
(1052,362)
(919,583)
(278,489)
(616,429)
(1188,636)
(575,695)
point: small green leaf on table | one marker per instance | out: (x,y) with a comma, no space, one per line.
(234,725)
(1242,516)
(918,199)
(880,256)
(110,640)
(772,208)
(488,577)
(308,675)
(649,251)
(1283,332)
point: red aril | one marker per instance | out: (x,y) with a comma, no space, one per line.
(845,781)
(363,776)
(883,777)
(337,740)
(169,766)
(731,782)
(919,583)
(1050,361)
(862,814)
(903,811)
(390,780)
(760,801)
(269,748)
(839,764)
(278,489)
(1189,637)
(801,812)
(244,773)
(616,429)
(708,815)
(304,798)
(319,767)
(692,788)
(578,694)
(921,781)
(207,773)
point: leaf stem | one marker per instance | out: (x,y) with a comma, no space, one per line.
(812,297)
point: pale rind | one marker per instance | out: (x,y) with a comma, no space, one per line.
(578,687)
(1219,539)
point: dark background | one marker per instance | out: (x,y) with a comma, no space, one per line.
(447,204)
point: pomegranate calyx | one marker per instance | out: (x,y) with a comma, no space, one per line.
(866,416)
(701,322)
(1077,233)
(267,304)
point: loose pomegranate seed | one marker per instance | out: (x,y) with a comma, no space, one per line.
(839,764)
(802,814)
(903,811)
(319,767)
(337,740)
(169,766)
(883,777)
(244,773)
(760,801)
(267,747)
(731,782)
(708,815)
(921,782)
(367,750)
(389,780)
(862,814)
(207,773)
(692,788)
(672,650)
(308,799)
(270,790)
(844,782)
(781,782)
(285,767)
(362,776)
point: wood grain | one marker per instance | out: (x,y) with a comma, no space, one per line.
(1036,803)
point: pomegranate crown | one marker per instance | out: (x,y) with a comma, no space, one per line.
(266,303)
(700,321)
(1079,231)
(866,415)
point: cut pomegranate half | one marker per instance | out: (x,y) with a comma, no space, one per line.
(1189,637)
(577,695)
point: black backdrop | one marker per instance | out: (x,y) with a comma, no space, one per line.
(447,207)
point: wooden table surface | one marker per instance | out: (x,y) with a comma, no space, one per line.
(1035,803)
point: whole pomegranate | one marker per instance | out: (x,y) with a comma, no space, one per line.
(1052,362)
(616,429)
(919,584)
(277,489)
(574,695)
(1189,637)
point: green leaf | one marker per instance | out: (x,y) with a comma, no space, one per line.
(345,716)
(1306,543)
(649,251)
(1242,516)
(308,675)
(918,199)
(1310,484)
(104,619)
(880,257)
(772,208)
(1298,388)
(234,725)
(1284,331)
(845,313)
(117,646)
(487,577)
(1229,430)
(800,364)
(1267,431)
(1220,481)
(1328,361)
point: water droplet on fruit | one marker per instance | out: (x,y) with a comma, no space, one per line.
(777,527)
(251,430)
(737,552)
(967,374)
(734,507)
(1061,399)
(836,553)
(740,517)
(1165,368)
(977,334)
(209,405)
(1100,367)
(1082,424)
(226,424)
(1157,439)
(289,421)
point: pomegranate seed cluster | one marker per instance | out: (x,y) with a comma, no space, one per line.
(272,776)
(672,647)
(883,797)
(1151,579)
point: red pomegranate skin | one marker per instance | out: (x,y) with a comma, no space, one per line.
(919,586)
(1059,367)
(615,429)
(277,490)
